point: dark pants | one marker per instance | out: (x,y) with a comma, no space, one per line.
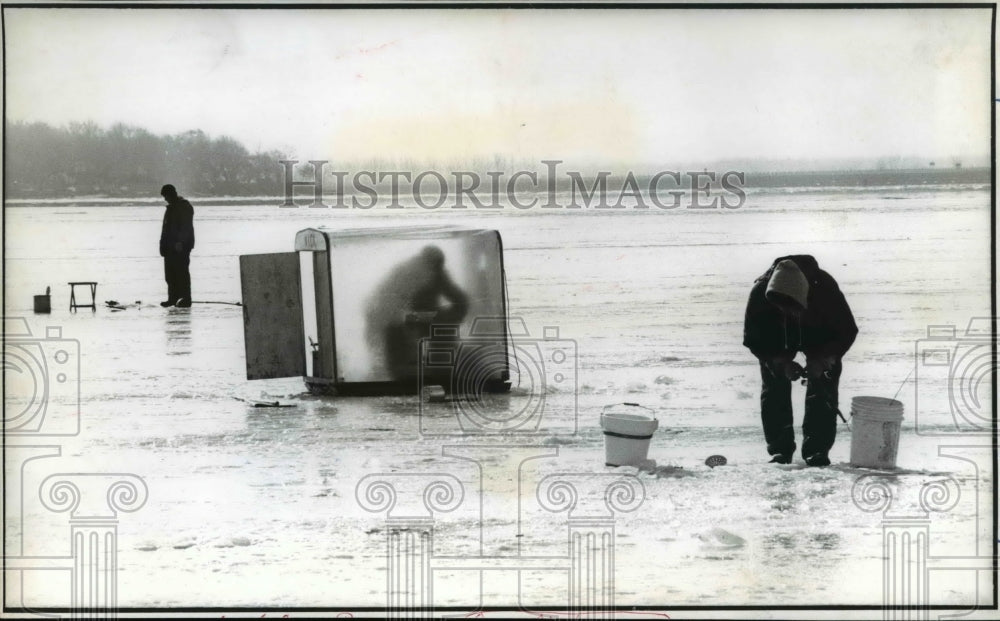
(819,426)
(402,346)
(402,352)
(175,269)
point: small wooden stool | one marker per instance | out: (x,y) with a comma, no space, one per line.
(72,296)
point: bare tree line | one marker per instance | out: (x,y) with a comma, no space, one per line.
(84,159)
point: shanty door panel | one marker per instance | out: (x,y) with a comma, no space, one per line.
(273,332)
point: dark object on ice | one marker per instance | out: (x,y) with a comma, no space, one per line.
(433,394)
(266,404)
(43,303)
(716,460)
(176,243)
(272,404)
(819,459)
(72,295)
(668,471)
(797,307)
(208,302)
(114,305)
(781,459)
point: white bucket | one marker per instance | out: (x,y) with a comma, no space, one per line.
(626,434)
(875,423)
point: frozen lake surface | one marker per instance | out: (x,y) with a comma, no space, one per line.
(257,507)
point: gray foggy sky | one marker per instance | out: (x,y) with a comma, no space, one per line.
(612,85)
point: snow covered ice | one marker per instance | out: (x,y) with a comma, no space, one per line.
(258,506)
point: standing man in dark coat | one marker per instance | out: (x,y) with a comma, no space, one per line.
(797,307)
(176,243)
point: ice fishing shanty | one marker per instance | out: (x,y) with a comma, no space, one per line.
(379,311)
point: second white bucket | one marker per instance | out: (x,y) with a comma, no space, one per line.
(875,424)
(628,428)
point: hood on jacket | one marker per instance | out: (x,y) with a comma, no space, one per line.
(805,262)
(788,285)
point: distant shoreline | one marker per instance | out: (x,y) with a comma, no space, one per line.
(866,178)
(805,180)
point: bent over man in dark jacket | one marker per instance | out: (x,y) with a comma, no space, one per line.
(795,306)
(176,243)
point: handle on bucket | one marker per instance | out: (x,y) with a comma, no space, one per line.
(635,405)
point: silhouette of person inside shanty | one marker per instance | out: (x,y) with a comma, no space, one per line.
(416,295)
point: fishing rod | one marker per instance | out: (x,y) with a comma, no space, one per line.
(805,381)
(803,376)
(903,384)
